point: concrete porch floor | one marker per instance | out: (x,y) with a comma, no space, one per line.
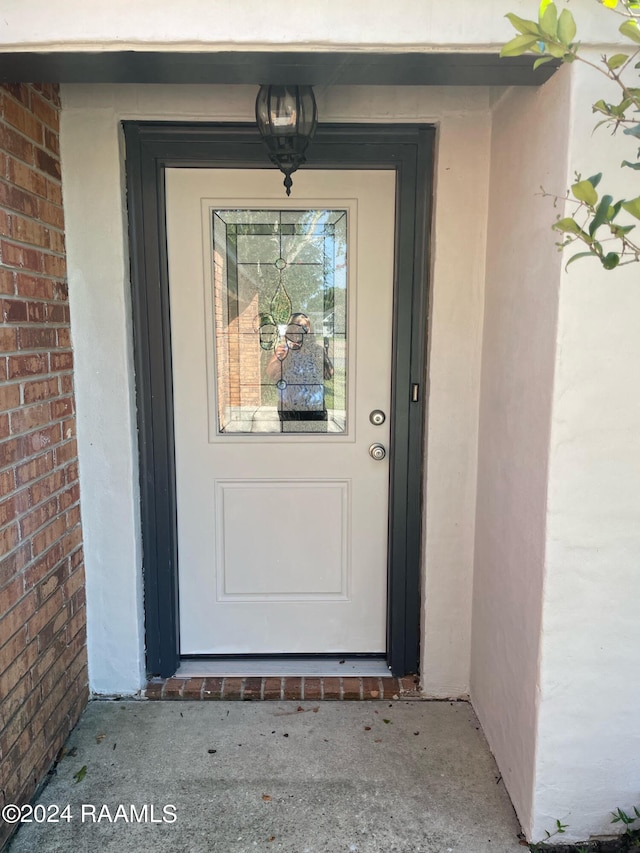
(360,777)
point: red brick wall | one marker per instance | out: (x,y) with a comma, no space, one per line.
(43,663)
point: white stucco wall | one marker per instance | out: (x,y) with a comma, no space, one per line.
(557,581)
(99,293)
(245,24)
(455,331)
(588,757)
(529,143)
(102,338)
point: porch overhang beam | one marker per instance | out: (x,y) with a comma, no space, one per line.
(426,68)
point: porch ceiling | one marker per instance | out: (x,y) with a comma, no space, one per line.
(311,68)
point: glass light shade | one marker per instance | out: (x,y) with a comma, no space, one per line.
(287,117)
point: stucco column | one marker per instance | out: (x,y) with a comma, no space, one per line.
(588,754)
(529,137)
(557,574)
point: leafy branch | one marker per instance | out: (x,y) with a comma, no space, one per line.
(590,214)
(620,816)
(560,829)
(553,36)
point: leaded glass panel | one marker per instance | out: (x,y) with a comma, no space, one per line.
(280,320)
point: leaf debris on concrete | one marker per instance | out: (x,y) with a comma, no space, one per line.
(298,710)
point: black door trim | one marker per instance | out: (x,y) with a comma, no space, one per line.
(150,148)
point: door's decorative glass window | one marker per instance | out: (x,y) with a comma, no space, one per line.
(280,320)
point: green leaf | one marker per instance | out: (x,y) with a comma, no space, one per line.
(602,107)
(601,214)
(635,166)
(616,61)
(518,45)
(567,225)
(580,255)
(560,52)
(620,109)
(620,815)
(611,261)
(584,191)
(633,131)
(549,21)
(566,27)
(610,4)
(542,61)
(522,25)
(594,180)
(631,30)
(79,776)
(621,230)
(632,207)
(543,7)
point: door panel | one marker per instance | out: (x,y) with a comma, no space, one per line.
(281,347)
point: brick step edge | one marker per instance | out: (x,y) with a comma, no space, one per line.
(298,688)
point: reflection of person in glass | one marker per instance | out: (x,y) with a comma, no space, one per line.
(298,368)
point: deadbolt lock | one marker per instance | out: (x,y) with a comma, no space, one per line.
(377,452)
(377,417)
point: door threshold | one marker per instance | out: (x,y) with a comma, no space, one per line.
(247,667)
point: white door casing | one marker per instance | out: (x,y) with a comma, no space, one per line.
(282,538)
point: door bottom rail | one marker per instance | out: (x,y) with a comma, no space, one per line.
(296,688)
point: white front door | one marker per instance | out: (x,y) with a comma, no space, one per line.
(281,349)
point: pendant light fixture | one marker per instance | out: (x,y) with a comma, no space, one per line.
(287,117)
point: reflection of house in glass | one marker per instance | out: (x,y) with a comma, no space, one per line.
(280,320)
(328,325)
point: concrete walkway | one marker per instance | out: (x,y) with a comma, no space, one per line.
(359,777)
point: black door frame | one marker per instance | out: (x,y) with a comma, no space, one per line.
(150,148)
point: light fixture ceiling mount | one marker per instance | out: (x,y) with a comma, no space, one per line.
(287,118)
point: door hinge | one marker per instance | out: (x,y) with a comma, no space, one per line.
(415,392)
